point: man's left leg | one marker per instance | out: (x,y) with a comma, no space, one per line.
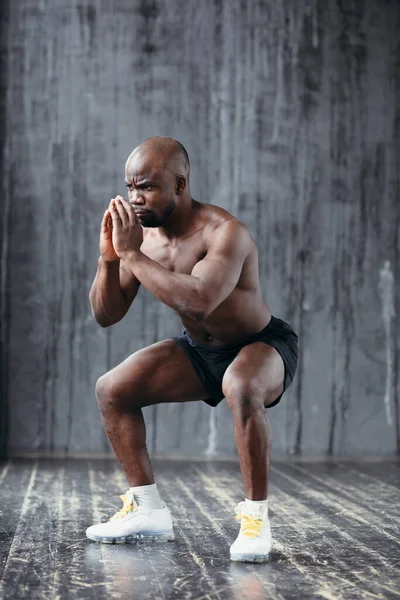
(253,381)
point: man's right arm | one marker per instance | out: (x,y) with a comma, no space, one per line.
(113,290)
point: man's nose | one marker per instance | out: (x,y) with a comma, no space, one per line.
(136,198)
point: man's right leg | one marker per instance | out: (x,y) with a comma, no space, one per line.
(157,374)
(160,373)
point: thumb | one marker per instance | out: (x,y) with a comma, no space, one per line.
(106,221)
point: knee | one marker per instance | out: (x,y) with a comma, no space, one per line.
(110,394)
(244,400)
(104,392)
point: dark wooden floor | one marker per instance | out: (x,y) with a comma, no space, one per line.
(335,528)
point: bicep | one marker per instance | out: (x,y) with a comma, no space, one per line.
(128,282)
(219,271)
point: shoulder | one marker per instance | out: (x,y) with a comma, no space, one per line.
(225,235)
(220,224)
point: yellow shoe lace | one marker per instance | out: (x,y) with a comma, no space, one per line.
(127,508)
(251,526)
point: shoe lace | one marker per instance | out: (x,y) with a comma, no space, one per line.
(251,526)
(127,508)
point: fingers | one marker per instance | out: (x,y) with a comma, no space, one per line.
(121,206)
(109,221)
(106,221)
(122,212)
(115,214)
(128,208)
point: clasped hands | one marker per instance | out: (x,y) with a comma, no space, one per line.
(127,233)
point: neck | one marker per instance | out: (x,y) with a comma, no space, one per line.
(180,220)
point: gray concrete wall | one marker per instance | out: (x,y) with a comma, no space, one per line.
(288,110)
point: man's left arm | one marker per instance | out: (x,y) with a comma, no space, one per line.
(211,281)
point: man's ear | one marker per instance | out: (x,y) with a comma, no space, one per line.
(180,185)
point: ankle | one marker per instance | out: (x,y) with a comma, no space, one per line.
(147,495)
(258,504)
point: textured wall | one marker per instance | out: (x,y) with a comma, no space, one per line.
(288,110)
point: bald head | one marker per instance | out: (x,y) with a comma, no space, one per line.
(162,153)
(157,178)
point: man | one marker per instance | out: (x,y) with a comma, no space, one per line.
(203,263)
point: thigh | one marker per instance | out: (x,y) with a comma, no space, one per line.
(159,373)
(257,372)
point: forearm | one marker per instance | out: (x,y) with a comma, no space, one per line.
(176,290)
(106,299)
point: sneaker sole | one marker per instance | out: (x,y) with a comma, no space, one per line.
(253,558)
(152,537)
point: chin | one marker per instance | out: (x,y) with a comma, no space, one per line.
(152,223)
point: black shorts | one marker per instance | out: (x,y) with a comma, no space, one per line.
(211,362)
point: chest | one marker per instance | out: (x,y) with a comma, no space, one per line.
(180,259)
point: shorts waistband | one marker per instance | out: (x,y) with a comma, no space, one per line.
(233,345)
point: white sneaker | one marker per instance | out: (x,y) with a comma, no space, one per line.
(254,542)
(134,522)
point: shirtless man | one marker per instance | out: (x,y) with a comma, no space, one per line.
(202,262)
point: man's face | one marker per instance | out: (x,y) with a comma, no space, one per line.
(151,187)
